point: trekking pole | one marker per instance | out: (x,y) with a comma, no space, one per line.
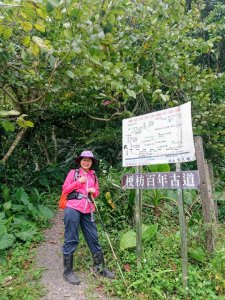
(110,244)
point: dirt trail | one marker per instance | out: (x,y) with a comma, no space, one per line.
(49,257)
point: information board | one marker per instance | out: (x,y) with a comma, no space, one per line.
(160,137)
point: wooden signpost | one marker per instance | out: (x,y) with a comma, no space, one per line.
(183,233)
(138,218)
(208,206)
(163,180)
(166,137)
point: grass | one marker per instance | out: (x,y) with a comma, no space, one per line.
(18,275)
(159,277)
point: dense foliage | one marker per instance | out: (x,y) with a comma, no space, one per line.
(69,65)
(70,71)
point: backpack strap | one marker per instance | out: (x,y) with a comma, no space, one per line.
(95,177)
(76,173)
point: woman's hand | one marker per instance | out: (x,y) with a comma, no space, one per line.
(91,190)
(82,179)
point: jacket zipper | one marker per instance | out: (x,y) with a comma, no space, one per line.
(86,192)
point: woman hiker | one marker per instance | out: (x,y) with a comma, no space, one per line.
(81,185)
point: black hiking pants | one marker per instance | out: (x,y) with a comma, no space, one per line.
(73,219)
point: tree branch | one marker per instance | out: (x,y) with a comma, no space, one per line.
(54,139)
(14,144)
(44,149)
(49,81)
(10,96)
(105,120)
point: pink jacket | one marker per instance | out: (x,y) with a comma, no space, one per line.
(83,205)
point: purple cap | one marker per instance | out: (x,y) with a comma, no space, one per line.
(88,154)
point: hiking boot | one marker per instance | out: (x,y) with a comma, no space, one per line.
(68,273)
(99,266)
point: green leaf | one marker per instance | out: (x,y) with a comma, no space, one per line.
(101,35)
(5,192)
(116,85)
(40,26)
(53,3)
(87,71)
(7,113)
(40,43)
(34,50)
(18,208)
(7,32)
(27,26)
(197,254)
(52,61)
(158,91)
(26,41)
(8,126)
(210,43)
(149,231)
(74,12)
(128,240)
(164,97)
(68,33)
(6,241)
(45,212)
(131,93)
(135,283)
(7,205)
(3,228)
(1,29)
(31,207)
(109,37)
(20,219)
(29,124)
(127,74)
(26,235)
(23,54)
(44,182)
(70,73)
(158,292)
(3,258)
(27,230)
(2,215)
(23,123)
(23,196)
(107,65)
(41,13)
(111,18)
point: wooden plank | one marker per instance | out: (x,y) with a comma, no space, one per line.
(204,193)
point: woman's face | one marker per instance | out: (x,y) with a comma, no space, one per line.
(86,163)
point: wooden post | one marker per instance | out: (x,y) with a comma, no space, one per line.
(183,234)
(204,193)
(214,201)
(138,218)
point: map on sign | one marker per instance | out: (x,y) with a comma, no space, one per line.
(160,137)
